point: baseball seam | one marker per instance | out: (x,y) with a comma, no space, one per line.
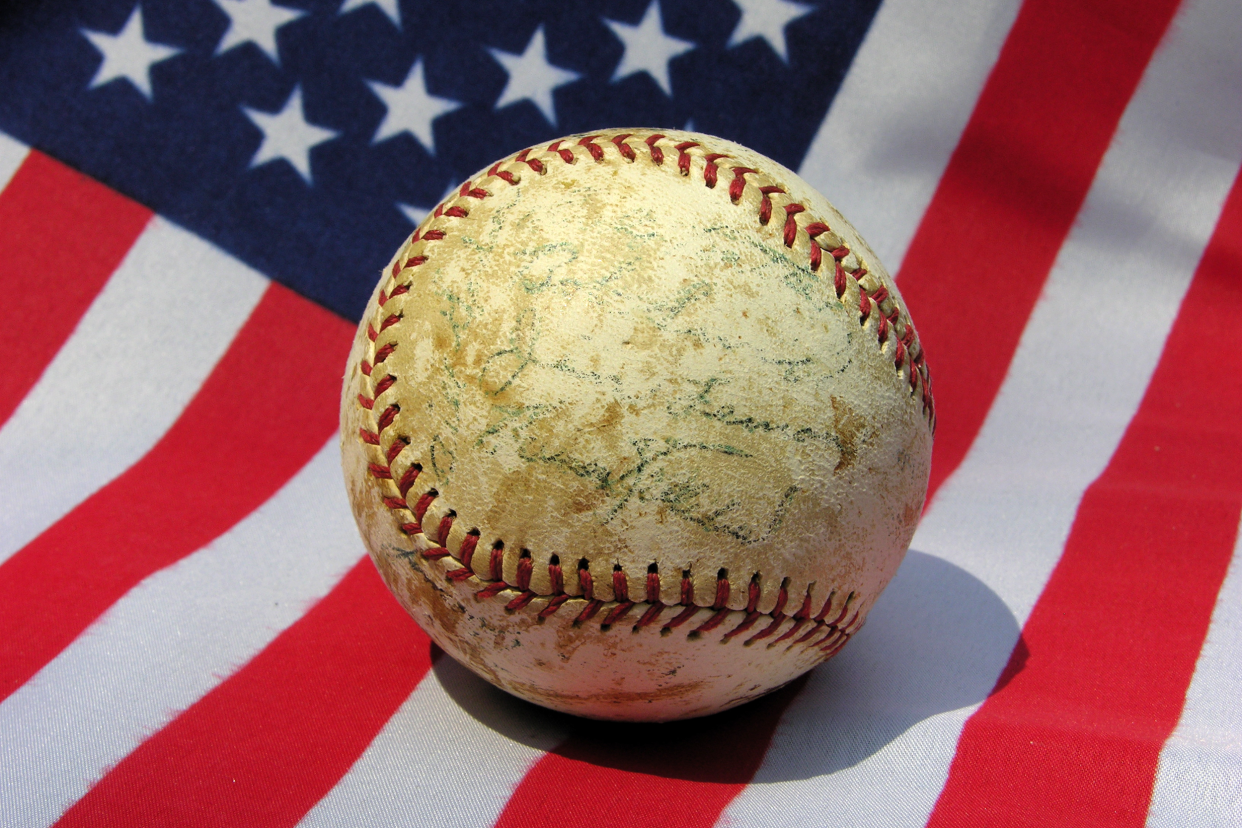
(875,304)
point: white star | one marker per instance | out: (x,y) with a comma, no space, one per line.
(410,108)
(287,135)
(255,21)
(388,7)
(767,19)
(128,54)
(413,212)
(647,48)
(531,76)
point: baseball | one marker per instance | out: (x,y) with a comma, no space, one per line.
(636,426)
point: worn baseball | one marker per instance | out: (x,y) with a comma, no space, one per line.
(636,426)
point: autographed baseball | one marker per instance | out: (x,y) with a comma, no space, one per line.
(636,426)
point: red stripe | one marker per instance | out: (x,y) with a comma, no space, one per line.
(1074,735)
(61,236)
(266,408)
(610,775)
(1010,194)
(266,744)
(1008,197)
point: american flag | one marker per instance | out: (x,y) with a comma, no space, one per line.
(197,198)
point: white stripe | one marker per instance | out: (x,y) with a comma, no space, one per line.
(12,154)
(873,733)
(900,111)
(169,641)
(136,358)
(1199,780)
(450,757)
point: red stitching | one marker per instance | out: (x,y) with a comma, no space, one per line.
(683,157)
(384,352)
(627,152)
(497,572)
(503,175)
(778,614)
(491,590)
(398,446)
(555,575)
(597,152)
(521,601)
(816,229)
(534,163)
(584,580)
(385,419)
(747,623)
(588,612)
(618,612)
(905,352)
(738,185)
(524,568)
(711,170)
(800,618)
(553,605)
(680,619)
(423,504)
(657,154)
(384,384)
(407,479)
(814,630)
(404,287)
(567,155)
(827,606)
(791,226)
(446,526)
(621,593)
(468,544)
(765,205)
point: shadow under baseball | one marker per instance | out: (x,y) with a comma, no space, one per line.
(936,641)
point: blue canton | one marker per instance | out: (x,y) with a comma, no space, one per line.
(308,137)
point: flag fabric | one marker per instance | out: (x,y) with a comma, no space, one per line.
(196,197)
